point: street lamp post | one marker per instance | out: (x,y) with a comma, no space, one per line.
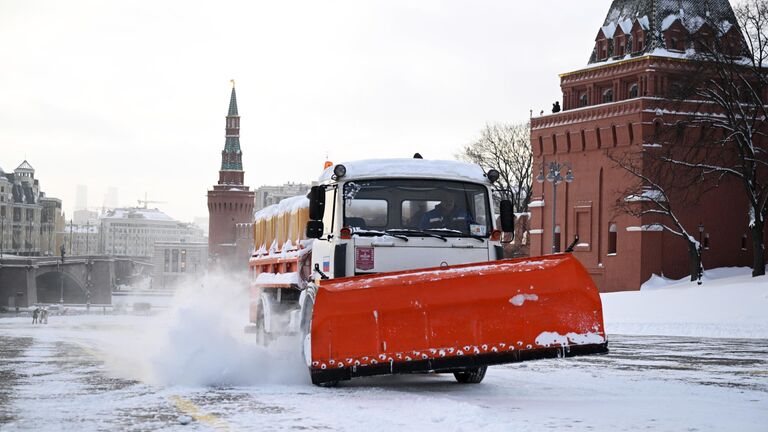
(29,237)
(555,177)
(2,235)
(87,237)
(70,237)
(61,283)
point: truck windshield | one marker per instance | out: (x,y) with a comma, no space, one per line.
(447,208)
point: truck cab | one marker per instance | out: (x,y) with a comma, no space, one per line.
(391,215)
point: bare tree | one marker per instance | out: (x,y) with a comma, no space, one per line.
(653,200)
(506,148)
(727,88)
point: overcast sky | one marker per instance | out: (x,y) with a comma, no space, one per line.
(133,94)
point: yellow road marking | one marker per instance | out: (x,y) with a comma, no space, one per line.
(193,411)
(185,406)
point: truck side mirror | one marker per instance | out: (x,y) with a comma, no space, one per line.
(316,203)
(314,229)
(507,216)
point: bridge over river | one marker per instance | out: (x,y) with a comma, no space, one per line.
(25,281)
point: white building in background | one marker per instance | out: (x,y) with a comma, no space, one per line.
(81,240)
(111,198)
(84,217)
(265,196)
(134,231)
(202,223)
(81,197)
(178,262)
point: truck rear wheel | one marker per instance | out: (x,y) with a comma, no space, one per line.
(471,375)
(328,384)
(262,337)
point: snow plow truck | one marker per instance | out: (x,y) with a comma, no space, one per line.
(396,266)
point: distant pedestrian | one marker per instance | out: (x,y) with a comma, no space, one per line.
(35,314)
(44,316)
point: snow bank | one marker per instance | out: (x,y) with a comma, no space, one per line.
(729,304)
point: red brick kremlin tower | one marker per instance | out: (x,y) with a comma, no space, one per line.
(230,202)
(617,102)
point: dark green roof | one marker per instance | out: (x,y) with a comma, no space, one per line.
(232,103)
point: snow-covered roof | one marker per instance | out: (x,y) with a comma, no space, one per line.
(417,168)
(626,26)
(137,213)
(609,30)
(656,16)
(288,205)
(25,166)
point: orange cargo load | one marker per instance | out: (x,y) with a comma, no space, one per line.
(452,318)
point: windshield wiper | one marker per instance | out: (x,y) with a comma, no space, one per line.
(460,233)
(419,232)
(376,233)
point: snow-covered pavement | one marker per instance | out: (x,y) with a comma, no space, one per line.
(68,376)
(698,362)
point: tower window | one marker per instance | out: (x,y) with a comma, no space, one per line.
(608,96)
(612,239)
(583,100)
(633,91)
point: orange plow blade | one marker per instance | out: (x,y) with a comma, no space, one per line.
(450,318)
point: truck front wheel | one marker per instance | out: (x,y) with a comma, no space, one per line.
(471,375)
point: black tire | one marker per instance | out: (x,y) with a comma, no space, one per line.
(471,375)
(262,337)
(328,384)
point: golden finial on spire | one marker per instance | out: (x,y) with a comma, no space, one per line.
(233,83)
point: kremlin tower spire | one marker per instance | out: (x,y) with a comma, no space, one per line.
(231,172)
(230,203)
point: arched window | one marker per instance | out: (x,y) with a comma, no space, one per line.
(598,137)
(583,100)
(633,91)
(612,239)
(608,96)
(744,242)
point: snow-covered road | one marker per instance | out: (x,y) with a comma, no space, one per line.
(84,373)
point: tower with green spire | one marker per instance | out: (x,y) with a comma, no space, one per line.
(231,172)
(230,203)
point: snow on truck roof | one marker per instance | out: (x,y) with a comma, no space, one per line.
(418,168)
(383,168)
(288,205)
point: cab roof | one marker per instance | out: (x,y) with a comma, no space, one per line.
(409,168)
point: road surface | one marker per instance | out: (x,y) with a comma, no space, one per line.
(99,373)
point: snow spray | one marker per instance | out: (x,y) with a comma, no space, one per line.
(200,341)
